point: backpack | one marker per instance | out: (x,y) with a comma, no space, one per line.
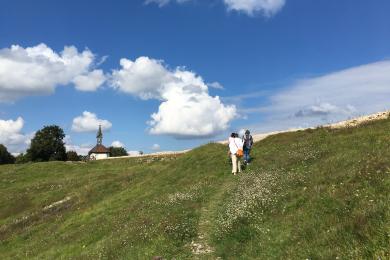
(248,141)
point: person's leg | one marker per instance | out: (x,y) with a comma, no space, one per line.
(246,155)
(248,158)
(234,163)
(239,164)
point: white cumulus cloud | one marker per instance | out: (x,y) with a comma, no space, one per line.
(38,70)
(89,122)
(186,110)
(143,77)
(251,7)
(12,137)
(117,144)
(90,81)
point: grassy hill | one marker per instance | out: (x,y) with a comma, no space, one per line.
(314,194)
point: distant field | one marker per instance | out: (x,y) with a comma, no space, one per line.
(314,194)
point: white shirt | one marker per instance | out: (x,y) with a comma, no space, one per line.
(235,144)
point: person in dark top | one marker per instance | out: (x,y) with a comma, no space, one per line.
(247,140)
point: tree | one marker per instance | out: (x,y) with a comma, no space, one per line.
(5,156)
(72,156)
(48,145)
(22,158)
(117,151)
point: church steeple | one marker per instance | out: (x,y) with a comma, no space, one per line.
(99,136)
(99,151)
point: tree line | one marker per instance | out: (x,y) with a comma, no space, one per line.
(48,145)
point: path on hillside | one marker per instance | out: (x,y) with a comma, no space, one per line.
(202,246)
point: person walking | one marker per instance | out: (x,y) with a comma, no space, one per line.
(247,141)
(236,152)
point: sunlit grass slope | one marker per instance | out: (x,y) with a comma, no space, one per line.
(316,194)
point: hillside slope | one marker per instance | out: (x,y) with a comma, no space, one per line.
(315,194)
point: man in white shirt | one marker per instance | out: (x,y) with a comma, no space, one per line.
(235,144)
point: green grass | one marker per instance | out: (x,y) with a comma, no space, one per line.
(316,194)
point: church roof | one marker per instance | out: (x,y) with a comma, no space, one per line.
(99,148)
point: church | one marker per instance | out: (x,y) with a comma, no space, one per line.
(99,152)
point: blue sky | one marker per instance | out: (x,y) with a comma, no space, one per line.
(283,65)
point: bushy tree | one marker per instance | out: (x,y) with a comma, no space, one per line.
(48,145)
(72,156)
(22,158)
(117,151)
(5,156)
(83,158)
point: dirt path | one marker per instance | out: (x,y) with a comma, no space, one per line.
(202,247)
